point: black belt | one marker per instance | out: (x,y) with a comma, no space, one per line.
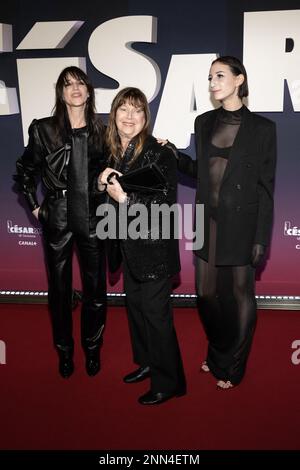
(59,194)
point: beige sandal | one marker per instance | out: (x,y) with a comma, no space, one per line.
(221,384)
(204,367)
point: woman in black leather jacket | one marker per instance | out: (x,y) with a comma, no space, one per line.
(148,261)
(66,150)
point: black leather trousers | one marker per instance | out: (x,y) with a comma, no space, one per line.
(59,247)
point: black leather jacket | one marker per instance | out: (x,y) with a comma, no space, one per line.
(150,258)
(46,155)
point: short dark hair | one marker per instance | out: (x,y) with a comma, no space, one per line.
(236,68)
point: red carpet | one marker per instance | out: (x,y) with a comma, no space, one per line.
(40,410)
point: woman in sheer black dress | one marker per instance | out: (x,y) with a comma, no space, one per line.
(235,167)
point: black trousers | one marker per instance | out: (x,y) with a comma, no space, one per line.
(153,336)
(227,306)
(59,247)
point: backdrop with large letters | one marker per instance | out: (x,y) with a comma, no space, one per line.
(164,48)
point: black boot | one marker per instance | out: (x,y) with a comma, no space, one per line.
(92,363)
(66,364)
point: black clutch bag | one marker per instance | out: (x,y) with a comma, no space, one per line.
(147,179)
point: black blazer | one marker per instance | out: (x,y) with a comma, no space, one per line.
(245,211)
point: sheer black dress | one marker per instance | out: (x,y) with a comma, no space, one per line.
(226,295)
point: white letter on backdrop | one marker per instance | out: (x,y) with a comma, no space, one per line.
(111,53)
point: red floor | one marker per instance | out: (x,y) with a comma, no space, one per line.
(40,410)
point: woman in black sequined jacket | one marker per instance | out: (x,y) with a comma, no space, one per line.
(66,151)
(149,261)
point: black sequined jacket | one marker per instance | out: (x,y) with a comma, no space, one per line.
(155,254)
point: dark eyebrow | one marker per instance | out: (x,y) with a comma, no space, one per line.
(219,71)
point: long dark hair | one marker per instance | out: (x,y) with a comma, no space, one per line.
(236,68)
(137,98)
(60,112)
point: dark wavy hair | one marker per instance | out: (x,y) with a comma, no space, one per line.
(236,68)
(60,112)
(137,98)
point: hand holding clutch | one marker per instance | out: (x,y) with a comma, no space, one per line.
(147,179)
(115,190)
